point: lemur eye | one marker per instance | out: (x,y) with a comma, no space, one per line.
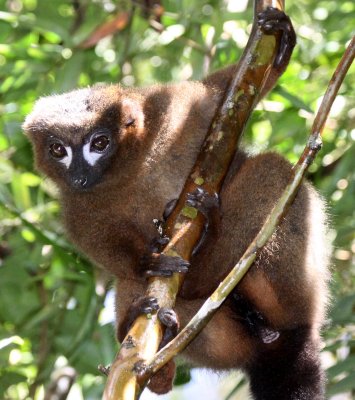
(57,150)
(99,143)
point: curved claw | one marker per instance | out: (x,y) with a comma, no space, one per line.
(158,244)
(169,208)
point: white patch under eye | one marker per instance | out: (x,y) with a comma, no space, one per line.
(68,158)
(90,156)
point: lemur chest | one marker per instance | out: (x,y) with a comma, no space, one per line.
(114,233)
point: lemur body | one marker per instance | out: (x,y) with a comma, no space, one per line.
(127,153)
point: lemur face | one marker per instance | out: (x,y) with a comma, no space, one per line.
(82,164)
(75,136)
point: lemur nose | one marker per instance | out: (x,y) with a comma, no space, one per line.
(81,181)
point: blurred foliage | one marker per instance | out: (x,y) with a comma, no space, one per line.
(54,325)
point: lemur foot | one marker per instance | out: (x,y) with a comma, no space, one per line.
(157,264)
(203,201)
(273,21)
(158,243)
(143,305)
(169,318)
(162,381)
(208,205)
(140,306)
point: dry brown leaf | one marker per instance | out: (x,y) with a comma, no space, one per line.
(106,29)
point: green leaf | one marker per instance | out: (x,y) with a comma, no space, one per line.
(68,75)
(345,365)
(183,375)
(343,309)
(344,385)
(9,378)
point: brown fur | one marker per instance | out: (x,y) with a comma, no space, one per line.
(112,221)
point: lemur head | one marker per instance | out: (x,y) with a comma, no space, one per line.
(77,135)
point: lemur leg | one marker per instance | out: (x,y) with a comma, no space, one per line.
(162,381)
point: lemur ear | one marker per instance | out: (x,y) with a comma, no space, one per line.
(132,116)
